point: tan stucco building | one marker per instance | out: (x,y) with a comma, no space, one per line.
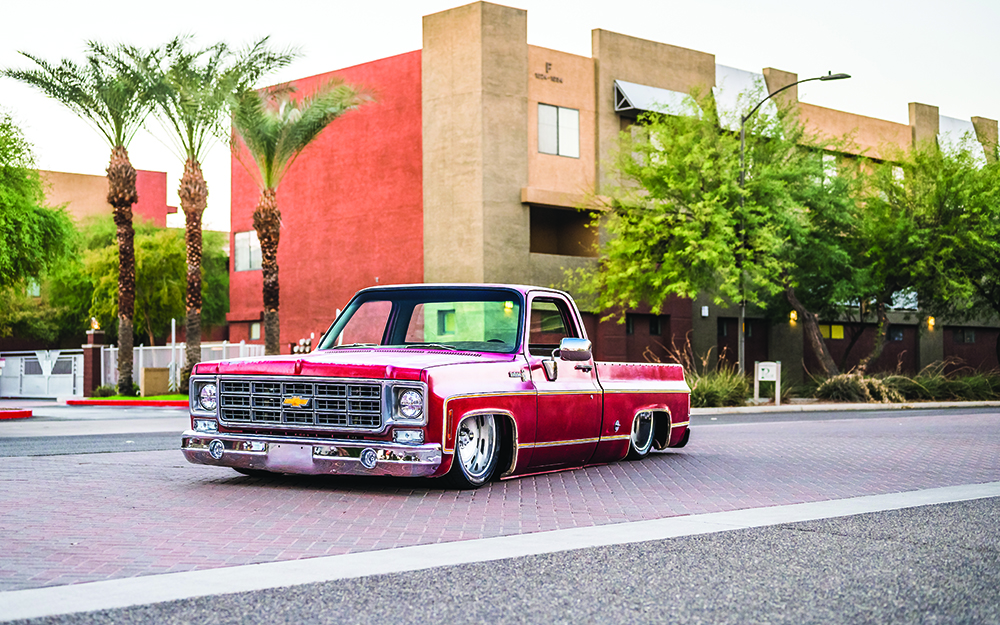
(513,139)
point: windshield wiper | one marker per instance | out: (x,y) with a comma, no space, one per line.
(355,345)
(432,345)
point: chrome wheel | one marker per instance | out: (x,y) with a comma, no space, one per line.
(476,447)
(641,439)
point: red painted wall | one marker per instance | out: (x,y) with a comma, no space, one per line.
(612,343)
(351,206)
(902,356)
(981,354)
(152,204)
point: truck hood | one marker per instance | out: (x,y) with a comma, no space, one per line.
(379,363)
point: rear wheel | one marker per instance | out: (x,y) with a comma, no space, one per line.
(477,445)
(641,439)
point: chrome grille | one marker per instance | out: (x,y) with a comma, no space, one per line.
(323,404)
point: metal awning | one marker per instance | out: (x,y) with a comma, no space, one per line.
(633,98)
(952,133)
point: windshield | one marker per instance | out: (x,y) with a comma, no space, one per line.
(483,320)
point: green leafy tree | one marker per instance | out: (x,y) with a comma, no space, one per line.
(675,225)
(112,93)
(161,279)
(945,243)
(271,128)
(192,104)
(32,236)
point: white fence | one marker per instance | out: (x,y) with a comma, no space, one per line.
(171,357)
(43,374)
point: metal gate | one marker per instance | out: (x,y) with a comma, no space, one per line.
(43,374)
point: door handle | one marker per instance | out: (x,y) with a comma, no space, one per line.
(585,368)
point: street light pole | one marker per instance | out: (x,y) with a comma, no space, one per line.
(741,355)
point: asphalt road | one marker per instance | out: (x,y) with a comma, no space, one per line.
(929,564)
(88,444)
(933,564)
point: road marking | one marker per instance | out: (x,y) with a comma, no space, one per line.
(121,593)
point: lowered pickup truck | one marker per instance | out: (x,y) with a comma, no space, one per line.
(467,382)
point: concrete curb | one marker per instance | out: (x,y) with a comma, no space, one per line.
(837,407)
(156,403)
(14,413)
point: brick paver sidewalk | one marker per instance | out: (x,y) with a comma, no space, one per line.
(69,519)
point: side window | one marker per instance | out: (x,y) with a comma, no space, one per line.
(246,251)
(550,322)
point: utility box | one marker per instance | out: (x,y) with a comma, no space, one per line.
(767,372)
(154,381)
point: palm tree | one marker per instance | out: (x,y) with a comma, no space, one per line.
(110,92)
(275,129)
(192,105)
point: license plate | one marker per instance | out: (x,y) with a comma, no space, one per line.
(289,456)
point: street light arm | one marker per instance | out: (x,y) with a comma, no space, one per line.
(789,86)
(740,351)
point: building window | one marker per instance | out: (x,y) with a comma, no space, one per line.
(246,251)
(655,327)
(562,232)
(558,130)
(446,322)
(831,331)
(965,335)
(629,325)
(895,334)
(255,331)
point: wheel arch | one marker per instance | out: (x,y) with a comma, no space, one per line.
(507,461)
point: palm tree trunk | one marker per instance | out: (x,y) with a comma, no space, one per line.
(122,195)
(267,223)
(193,194)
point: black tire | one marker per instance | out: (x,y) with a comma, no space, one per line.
(477,447)
(640,440)
(254,472)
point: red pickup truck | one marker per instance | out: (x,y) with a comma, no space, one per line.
(466,382)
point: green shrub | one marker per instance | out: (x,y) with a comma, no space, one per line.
(852,387)
(107,390)
(933,384)
(722,387)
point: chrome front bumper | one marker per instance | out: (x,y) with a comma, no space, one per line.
(313,457)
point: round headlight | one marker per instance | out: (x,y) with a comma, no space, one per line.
(411,404)
(207,397)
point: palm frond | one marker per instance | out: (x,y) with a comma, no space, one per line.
(108,90)
(276,127)
(194,85)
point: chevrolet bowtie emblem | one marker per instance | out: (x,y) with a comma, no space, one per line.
(296,402)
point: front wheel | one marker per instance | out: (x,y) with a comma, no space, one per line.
(477,446)
(641,439)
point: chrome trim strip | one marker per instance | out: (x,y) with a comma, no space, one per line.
(387,410)
(578,441)
(616,437)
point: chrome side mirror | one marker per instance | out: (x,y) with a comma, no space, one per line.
(575,350)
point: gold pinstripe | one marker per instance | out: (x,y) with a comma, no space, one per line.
(577,441)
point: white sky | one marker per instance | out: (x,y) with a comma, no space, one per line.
(944,53)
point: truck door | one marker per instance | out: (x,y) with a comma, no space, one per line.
(569,407)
